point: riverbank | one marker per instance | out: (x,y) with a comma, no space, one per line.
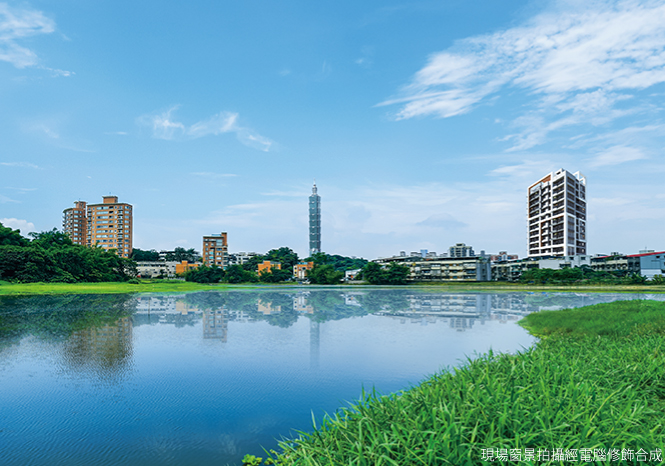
(144,286)
(593,387)
(179,286)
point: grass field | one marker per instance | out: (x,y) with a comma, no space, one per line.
(177,286)
(595,385)
(147,286)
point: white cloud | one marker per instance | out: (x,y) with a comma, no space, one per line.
(17,24)
(223,122)
(616,155)
(212,175)
(21,164)
(578,60)
(527,170)
(7,200)
(164,126)
(17,224)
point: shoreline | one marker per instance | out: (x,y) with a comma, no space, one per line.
(177,286)
(590,388)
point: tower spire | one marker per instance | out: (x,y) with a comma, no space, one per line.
(314,221)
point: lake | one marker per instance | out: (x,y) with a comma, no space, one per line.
(204,378)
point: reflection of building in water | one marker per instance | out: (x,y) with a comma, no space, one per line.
(314,344)
(461,323)
(300,304)
(461,311)
(267,308)
(106,349)
(351,299)
(215,324)
(156,304)
(183,308)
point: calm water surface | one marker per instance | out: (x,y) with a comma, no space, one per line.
(203,378)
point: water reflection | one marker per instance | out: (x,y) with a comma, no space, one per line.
(97,329)
(202,378)
(104,349)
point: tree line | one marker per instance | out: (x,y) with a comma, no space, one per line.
(586,275)
(50,256)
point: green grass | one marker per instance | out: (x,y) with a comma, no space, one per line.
(176,286)
(615,319)
(145,286)
(596,382)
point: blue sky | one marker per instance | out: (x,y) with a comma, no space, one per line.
(423,123)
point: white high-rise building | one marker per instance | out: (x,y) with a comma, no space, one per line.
(557,215)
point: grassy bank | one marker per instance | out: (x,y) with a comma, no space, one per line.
(144,286)
(176,286)
(595,384)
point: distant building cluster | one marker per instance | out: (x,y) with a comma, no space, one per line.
(556,239)
(557,222)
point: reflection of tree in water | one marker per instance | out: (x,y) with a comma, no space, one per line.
(94,328)
(104,350)
(382,300)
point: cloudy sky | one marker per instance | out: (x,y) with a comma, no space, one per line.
(422,122)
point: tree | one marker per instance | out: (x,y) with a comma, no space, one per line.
(236,274)
(342,263)
(50,239)
(285,256)
(275,275)
(394,274)
(205,274)
(324,275)
(52,257)
(140,255)
(9,237)
(252,264)
(181,254)
(658,280)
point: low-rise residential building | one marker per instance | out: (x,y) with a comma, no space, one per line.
(443,268)
(511,270)
(350,275)
(155,269)
(215,250)
(300,270)
(240,258)
(267,266)
(503,256)
(184,266)
(646,263)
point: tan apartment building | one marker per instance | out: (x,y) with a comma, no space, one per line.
(75,223)
(556,214)
(110,226)
(300,270)
(215,250)
(185,266)
(268,266)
